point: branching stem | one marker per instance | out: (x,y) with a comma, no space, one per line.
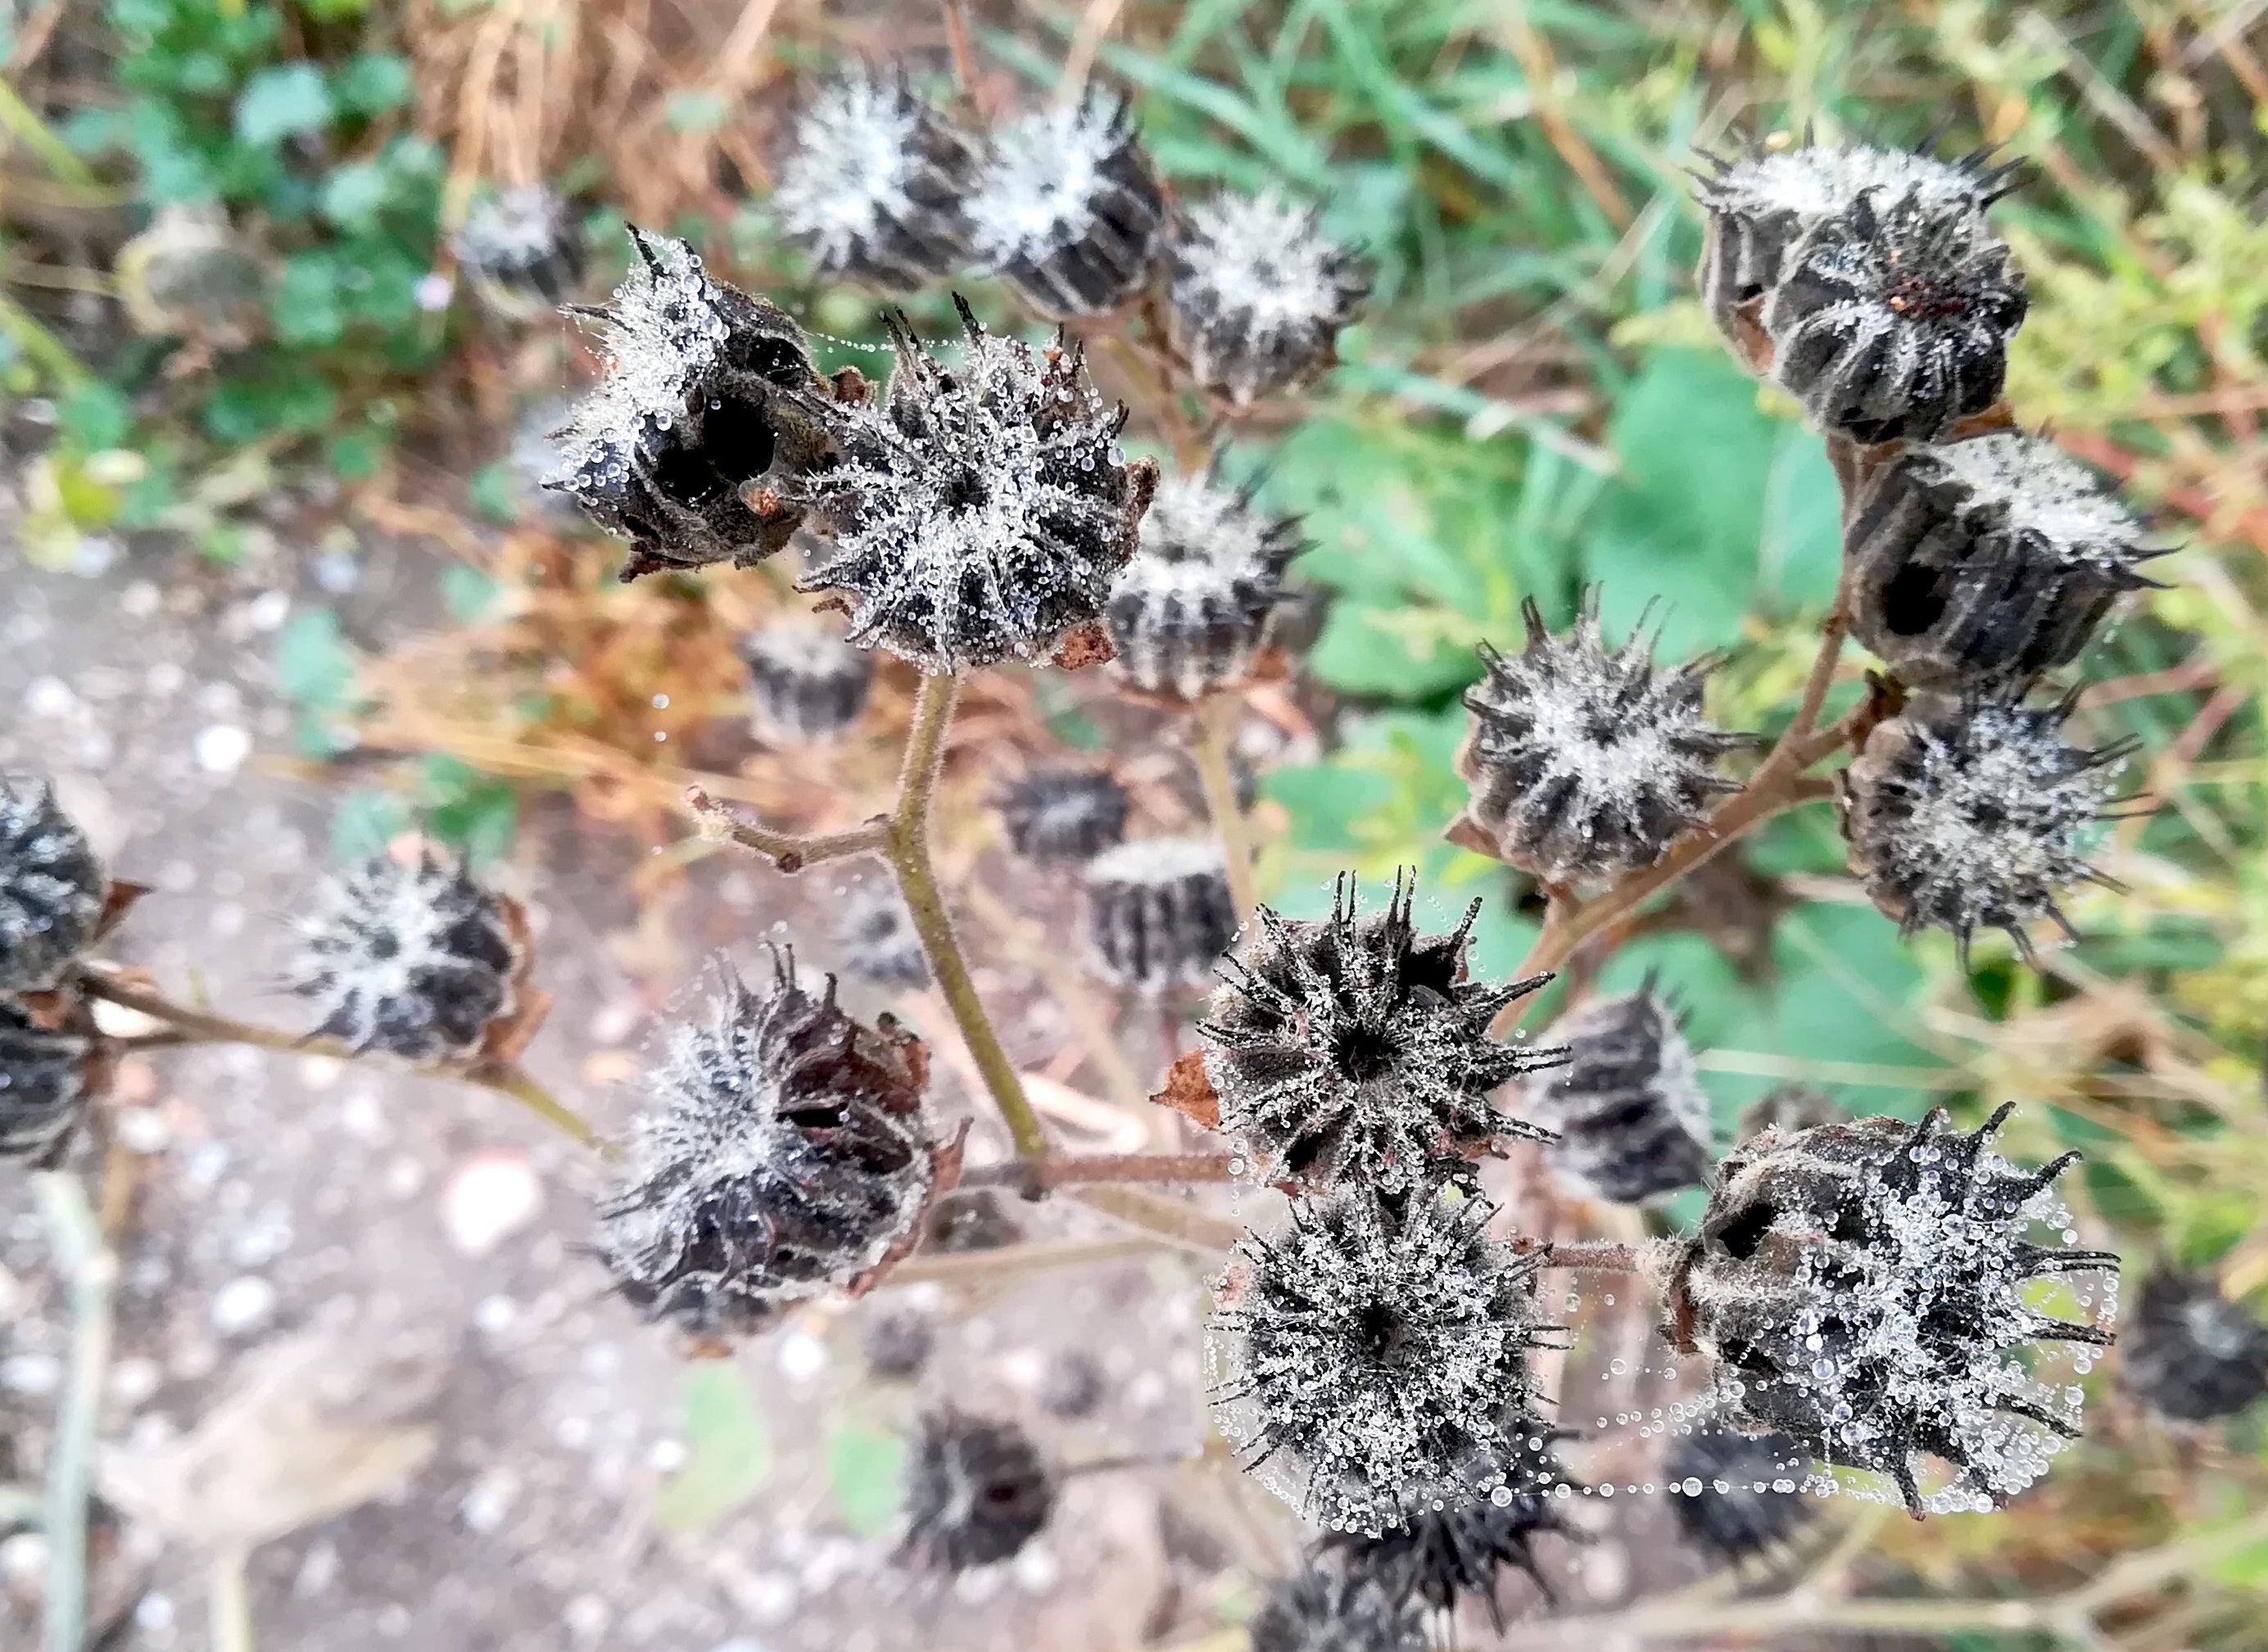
(189,1025)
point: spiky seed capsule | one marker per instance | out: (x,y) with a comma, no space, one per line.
(879,940)
(782,1152)
(409,956)
(1356,1048)
(1892,319)
(1372,1356)
(2193,1355)
(976,1491)
(809,686)
(1325,1611)
(1738,1496)
(1256,295)
(1466,1547)
(1861,1287)
(979,513)
(1759,205)
(1063,814)
(51,887)
(522,250)
(709,411)
(1189,614)
(1158,912)
(876,188)
(1631,1117)
(1067,210)
(1964,815)
(43,1084)
(1984,563)
(1585,761)
(1787,1109)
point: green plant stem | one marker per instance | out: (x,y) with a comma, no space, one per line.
(92,1272)
(986,1267)
(1068,1170)
(42,346)
(1215,728)
(190,1026)
(229,1602)
(789,851)
(22,122)
(906,846)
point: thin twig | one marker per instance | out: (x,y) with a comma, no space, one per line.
(197,1026)
(788,852)
(1215,728)
(907,849)
(92,1272)
(1178,1224)
(1065,1170)
(982,1267)
(1094,27)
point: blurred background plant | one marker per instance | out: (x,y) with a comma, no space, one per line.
(233,332)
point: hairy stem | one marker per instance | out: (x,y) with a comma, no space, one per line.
(1590,1255)
(189,1025)
(906,848)
(1066,1169)
(92,1272)
(789,851)
(1214,731)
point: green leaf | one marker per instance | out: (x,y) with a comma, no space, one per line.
(314,667)
(97,415)
(494,488)
(355,455)
(470,811)
(865,1470)
(353,194)
(2210,1228)
(282,102)
(728,1450)
(367,821)
(468,593)
(2117,1198)
(372,82)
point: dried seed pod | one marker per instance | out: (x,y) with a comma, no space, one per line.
(1067,208)
(2193,1355)
(896,1345)
(1861,1287)
(783,1152)
(1982,563)
(1966,813)
(1320,1610)
(1583,761)
(1632,1118)
(1760,203)
(1256,295)
(43,1084)
(978,512)
(1738,1494)
(412,957)
(1466,1547)
(879,943)
(1356,1048)
(521,249)
(876,188)
(710,411)
(809,685)
(1373,1357)
(1892,318)
(976,1491)
(1189,614)
(968,1222)
(1787,1109)
(1073,1386)
(1158,912)
(1063,814)
(51,887)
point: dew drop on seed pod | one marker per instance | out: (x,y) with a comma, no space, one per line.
(1501,1496)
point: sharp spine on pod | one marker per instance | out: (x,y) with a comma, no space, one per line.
(1861,1289)
(784,1152)
(1189,614)
(410,956)
(53,889)
(1355,1049)
(1371,1356)
(1067,210)
(709,409)
(809,685)
(1963,814)
(1063,814)
(978,512)
(1585,761)
(877,186)
(977,1491)
(1982,563)
(522,250)
(1158,912)
(1626,1103)
(1256,295)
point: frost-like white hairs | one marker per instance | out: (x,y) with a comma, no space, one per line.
(1258,294)
(1187,615)
(51,886)
(876,185)
(661,333)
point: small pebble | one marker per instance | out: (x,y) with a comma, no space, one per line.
(243,1305)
